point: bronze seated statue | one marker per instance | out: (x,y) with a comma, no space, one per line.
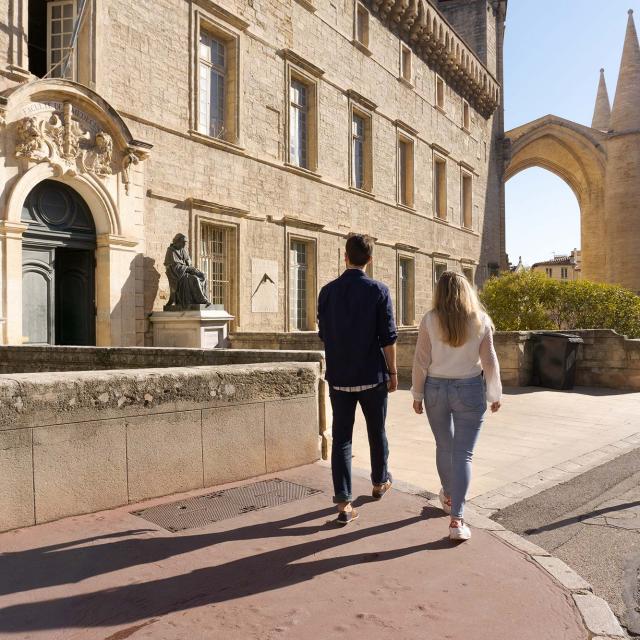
(188,285)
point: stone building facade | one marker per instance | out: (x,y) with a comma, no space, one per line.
(266,131)
(561,268)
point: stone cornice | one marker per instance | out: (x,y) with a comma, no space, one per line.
(215,207)
(406,247)
(111,241)
(420,25)
(291,56)
(407,128)
(291,221)
(10,229)
(223,14)
(361,100)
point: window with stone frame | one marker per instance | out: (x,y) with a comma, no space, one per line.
(61,58)
(217,261)
(302,294)
(302,130)
(361,25)
(438,269)
(405,171)
(564,273)
(467,272)
(440,93)
(51,51)
(406,291)
(440,187)
(405,63)
(466,197)
(466,116)
(549,272)
(361,150)
(217,82)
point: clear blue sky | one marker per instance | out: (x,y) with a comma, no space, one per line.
(554,50)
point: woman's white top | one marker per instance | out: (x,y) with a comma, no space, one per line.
(434,357)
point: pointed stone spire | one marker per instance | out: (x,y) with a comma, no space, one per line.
(602,112)
(626,107)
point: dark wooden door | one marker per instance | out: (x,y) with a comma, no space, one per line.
(75,299)
(58,247)
(38,296)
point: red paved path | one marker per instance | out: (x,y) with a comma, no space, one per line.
(279,573)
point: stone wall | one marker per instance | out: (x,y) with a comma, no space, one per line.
(606,359)
(80,442)
(36,358)
(250,188)
(299,341)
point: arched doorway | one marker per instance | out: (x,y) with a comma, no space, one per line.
(58,267)
(576,155)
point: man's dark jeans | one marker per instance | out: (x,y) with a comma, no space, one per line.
(374,407)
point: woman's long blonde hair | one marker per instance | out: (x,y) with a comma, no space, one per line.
(457,308)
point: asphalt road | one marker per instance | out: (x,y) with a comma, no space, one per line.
(593,524)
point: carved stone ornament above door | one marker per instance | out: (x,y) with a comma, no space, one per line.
(67,138)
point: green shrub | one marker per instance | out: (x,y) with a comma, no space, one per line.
(532,301)
(515,301)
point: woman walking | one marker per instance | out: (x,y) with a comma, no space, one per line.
(454,349)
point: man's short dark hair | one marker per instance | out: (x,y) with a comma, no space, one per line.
(359,249)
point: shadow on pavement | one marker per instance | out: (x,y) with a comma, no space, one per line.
(227,580)
(579,391)
(581,518)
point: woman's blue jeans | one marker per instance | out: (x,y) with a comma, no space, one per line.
(455,410)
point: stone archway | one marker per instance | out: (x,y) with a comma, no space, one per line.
(576,154)
(58,130)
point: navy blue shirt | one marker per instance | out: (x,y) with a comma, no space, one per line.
(355,319)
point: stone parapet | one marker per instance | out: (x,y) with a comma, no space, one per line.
(35,358)
(298,341)
(606,359)
(78,442)
(515,354)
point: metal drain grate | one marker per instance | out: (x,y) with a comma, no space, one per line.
(221,505)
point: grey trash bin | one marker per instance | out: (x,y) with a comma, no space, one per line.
(554,359)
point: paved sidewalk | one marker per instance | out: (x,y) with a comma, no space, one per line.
(281,572)
(539,438)
(593,524)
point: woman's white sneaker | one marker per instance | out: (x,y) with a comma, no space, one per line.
(444,501)
(461,532)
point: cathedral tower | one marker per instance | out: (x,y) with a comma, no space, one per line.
(622,199)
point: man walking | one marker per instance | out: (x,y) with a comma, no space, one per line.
(355,318)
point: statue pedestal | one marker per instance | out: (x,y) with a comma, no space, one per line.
(198,329)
